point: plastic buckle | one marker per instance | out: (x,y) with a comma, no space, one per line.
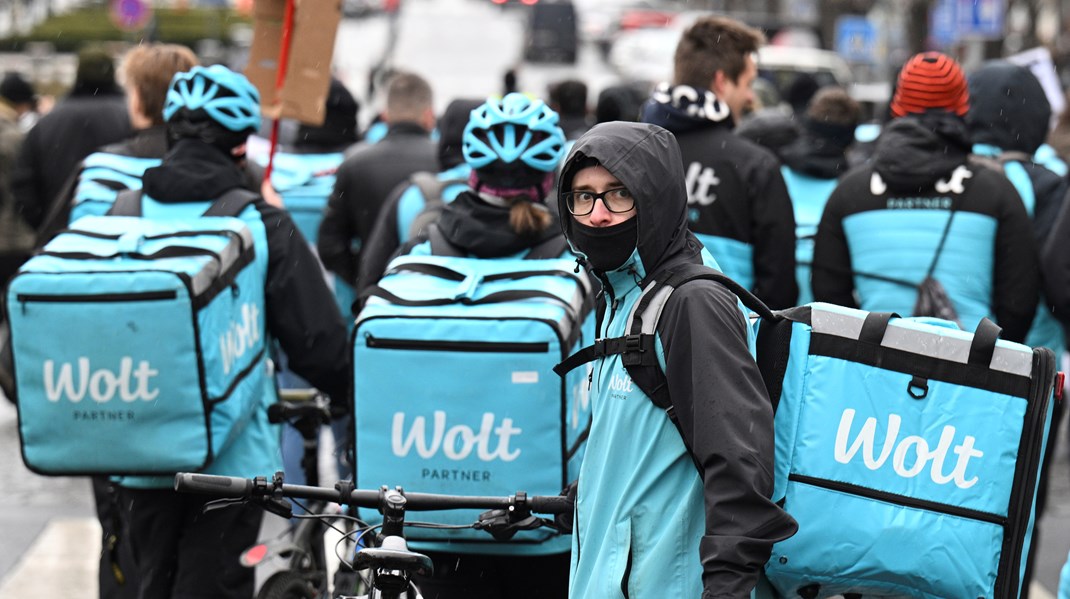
(633,350)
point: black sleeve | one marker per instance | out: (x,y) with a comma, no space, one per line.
(26,183)
(1055,262)
(383,242)
(301,312)
(727,422)
(1016,276)
(774,241)
(337,230)
(831,272)
(59,213)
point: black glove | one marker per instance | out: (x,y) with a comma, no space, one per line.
(563,522)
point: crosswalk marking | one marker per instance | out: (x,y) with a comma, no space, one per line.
(62,562)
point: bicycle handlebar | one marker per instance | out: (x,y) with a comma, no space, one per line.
(241,488)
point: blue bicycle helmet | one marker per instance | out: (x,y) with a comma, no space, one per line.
(226,97)
(513,130)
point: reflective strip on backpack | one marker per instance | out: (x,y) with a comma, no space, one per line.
(841,322)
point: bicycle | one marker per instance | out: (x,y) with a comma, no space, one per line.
(297,558)
(388,559)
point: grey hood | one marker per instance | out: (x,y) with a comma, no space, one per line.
(646,159)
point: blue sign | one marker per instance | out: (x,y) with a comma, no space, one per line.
(856,39)
(954,20)
(980,18)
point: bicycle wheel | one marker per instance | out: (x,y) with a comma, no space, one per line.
(287,585)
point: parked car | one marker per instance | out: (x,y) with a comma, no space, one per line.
(551,33)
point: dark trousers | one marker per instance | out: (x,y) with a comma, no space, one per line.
(182,553)
(460,576)
(117,575)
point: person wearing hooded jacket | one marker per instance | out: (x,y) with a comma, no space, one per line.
(512,145)
(813,164)
(181,550)
(1008,120)
(648,523)
(881,230)
(738,205)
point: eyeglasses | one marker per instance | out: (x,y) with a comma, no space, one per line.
(581,203)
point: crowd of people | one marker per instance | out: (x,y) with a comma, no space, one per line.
(955,212)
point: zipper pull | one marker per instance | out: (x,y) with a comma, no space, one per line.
(234,291)
(590,378)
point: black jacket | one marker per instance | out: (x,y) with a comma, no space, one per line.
(301,311)
(364,182)
(724,411)
(1009,110)
(914,154)
(748,203)
(57,143)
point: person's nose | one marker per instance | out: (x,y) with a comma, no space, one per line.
(600,215)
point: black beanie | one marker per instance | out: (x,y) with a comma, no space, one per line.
(15,89)
(339,126)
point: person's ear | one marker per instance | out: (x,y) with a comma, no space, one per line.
(428,119)
(718,83)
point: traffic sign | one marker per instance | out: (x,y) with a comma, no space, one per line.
(856,39)
(130,15)
(954,20)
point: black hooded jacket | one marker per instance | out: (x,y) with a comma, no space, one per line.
(1009,110)
(714,384)
(748,202)
(913,154)
(300,310)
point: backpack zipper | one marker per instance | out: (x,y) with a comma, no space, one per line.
(515,347)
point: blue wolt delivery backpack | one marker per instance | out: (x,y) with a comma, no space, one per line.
(102,178)
(454,390)
(907,450)
(132,342)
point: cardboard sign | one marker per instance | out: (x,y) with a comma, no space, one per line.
(303,96)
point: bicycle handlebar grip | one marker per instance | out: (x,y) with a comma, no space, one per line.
(555,504)
(211,484)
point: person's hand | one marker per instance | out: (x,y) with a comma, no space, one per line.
(563,522)
(270,195)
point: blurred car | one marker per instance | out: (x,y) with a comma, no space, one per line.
(551,32)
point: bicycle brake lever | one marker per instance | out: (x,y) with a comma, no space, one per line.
(218,504)
(504,524)
(277,506)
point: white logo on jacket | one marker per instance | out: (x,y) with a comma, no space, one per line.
(101,384)
(700,183)
(457,441)
(912,445)
(240,336)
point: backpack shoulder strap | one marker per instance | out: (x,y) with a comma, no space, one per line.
(440,246)
(431,188)
(548,249)
(232,203)
(127,203)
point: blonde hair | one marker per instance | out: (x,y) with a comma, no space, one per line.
(148,70)
(527,220)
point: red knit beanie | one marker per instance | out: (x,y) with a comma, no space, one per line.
(931,80)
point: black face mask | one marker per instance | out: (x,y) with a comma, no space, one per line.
(607,248)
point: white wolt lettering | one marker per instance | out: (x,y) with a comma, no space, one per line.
(101,384)
(456,442)
(240,336)
(910,446)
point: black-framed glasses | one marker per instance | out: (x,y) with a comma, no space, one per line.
(581,203)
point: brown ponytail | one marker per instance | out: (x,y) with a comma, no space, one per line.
(527,220)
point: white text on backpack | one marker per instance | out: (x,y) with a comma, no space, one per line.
(101,384)
(456,442)
(240,337)
(921,452)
